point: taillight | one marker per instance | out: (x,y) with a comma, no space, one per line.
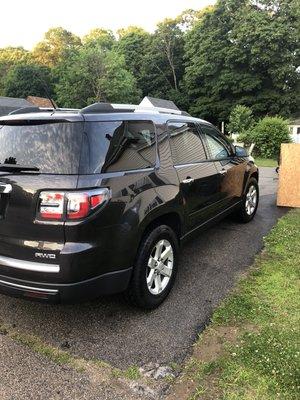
(51,205)
(64,206)
(78,205)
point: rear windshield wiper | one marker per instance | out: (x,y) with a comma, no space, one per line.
(17,168)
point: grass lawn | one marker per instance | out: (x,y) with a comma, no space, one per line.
(251,351)
(265,162)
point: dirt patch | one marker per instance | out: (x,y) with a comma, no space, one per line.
(210,347)
(183,389)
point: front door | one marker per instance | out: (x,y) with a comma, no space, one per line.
(199,178)
(231,168)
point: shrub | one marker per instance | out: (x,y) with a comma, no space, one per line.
(268,134)
(246,138)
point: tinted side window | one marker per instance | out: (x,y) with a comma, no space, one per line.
(120,146)
(186,144)
(217,145)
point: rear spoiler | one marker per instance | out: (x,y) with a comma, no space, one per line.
(33,121)
(29,116)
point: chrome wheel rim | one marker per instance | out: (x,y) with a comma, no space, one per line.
(251,200)
(160,267)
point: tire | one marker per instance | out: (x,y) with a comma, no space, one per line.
(248,207)
(138,292)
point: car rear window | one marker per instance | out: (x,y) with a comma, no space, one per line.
(54,148)
(116,146)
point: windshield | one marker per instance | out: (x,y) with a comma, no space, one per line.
(53,148)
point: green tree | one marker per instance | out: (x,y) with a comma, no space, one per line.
(99,37)
(163,67)
(133,43)
(51,50)
(90,75)
(240,119)
(268,134)
(188,18)
(10,57)
(244,52)
(14,55)
(27,80)
(117,84)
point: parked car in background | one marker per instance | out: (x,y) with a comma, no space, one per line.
(98,201)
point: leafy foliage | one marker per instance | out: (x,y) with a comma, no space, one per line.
(240,119)
(25,80)
(268,134)
(9,58)
(91,74)
(99,38)
(51,50)
(163,68)
(207,61)
(244,52)
(188,18)
(133,43)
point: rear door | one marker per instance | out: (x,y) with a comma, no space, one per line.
(231,169)
(198,176)
(54,149)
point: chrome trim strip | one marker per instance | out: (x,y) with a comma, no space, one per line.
(54,291)
(178,166)
(28,265)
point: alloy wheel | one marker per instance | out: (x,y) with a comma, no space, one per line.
(251,200)
(160,267)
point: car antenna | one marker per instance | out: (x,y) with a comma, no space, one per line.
(46,88)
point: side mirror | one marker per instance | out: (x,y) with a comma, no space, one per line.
(241,151)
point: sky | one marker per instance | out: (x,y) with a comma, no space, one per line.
(24,22)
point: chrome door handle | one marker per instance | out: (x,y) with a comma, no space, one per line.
(223,171)
(5,188)
(188,180)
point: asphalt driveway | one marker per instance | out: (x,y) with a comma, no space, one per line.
(110,330)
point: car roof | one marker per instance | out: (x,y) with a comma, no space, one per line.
(79,116)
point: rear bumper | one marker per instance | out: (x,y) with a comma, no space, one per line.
(110,283)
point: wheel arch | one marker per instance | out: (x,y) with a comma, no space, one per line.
(252,173)
(172,219)
(255,175)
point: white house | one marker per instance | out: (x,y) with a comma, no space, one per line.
(294,127)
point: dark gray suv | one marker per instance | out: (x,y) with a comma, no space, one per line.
(98,200)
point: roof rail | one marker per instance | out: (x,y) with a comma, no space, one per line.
(158,110)
(97,108)
(33,109)
(117,108)
(25,110)
(108,108)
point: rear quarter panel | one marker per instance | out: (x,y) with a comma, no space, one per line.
(109,239)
